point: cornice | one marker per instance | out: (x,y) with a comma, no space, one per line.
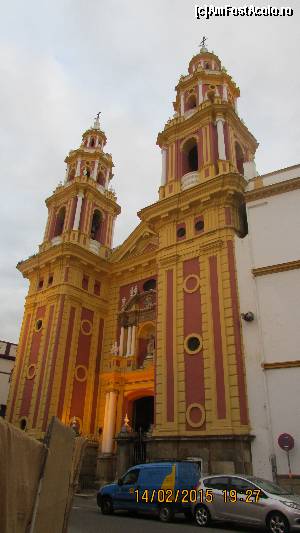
(281,364)
(274,269)
(60,251)
(85,184)
(272,190)
(206,111)
(203,193)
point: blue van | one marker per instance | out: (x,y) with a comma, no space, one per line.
(162,488)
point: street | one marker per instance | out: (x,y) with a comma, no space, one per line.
(87,518)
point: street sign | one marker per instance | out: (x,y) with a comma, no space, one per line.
(286,442)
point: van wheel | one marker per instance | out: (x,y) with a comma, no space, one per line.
(202,516)
(106,505)
(166,513)
(277,523)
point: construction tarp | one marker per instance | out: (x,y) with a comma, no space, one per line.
(21,463)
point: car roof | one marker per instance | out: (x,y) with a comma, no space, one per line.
(161,463)
(243,476)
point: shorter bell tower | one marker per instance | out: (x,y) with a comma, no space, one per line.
(58,364)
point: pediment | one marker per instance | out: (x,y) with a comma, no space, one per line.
(141,241)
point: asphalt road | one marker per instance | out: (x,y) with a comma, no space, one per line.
(86,518)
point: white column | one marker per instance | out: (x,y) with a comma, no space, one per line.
(163,166)
(109,422)
(95,170)
(121,346)
(66,175)
(221,141)
(200,96)
(78,168)
(78,210)
(236,106)
(107,179)
(104,439)
(182,104)
(225,94)
(133,340)
(128,340)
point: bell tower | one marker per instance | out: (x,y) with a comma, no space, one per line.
(205,137)
(207,156)
(57,371)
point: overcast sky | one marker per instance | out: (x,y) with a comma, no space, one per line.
(62,61)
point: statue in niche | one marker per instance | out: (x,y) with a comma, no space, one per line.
(114,349)
(150,347)
(123,302)
(148,301)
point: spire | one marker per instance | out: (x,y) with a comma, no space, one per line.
(97,122)
(202,45)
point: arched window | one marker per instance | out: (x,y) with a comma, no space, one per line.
(96,225)
(60,221)
(239,156)
(190,156)
(191,102)
(92,142)
(206,65)
(72,174)
(150,284)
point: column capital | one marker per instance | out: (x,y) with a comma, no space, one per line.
(220,118)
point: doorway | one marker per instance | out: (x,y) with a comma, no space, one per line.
(143,413)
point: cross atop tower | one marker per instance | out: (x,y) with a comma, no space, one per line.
(202,44)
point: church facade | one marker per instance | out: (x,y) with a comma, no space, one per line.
(149,331)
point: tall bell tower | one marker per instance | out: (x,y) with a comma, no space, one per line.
(59,352)
(207,156)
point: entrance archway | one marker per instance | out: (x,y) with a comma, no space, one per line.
(143,413)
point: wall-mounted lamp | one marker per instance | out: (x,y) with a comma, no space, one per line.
(248,317)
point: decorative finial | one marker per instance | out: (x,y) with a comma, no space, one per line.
(202,44)
(97,122)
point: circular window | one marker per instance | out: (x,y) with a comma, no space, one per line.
(199,225)
(181,232)
(23,424)
(149,285)
(193,343)
(86,327)
(38,325)
(195,415)
(81,373)
(31,369)
(191,283)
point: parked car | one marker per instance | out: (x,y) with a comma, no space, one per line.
(152,487)
(246,500)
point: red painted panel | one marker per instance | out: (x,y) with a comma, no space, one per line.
(226,140)
(194,365)
(200,148)
(19,359)
(73,211)
(53,362)
(32,359)
(43,362)
(237,335)
(104,229)
(66,362)
(96,378)
(213,143)
(228,219)
(215,304)
(169,347)
(82,214)
(82,358)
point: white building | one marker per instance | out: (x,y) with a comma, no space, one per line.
(268,268)
(7,360)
